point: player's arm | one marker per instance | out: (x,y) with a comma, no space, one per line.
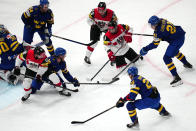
(114,17)
(15,46)
(20,59)
(43,67)
(151,46)
(90,19)
(66,74)
(26,16)
(128,33)
(133,93)
(50,22)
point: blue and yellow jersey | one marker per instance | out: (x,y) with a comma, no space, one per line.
(165,31)
(9,49)
(38,20)
(54,67)
(141,86)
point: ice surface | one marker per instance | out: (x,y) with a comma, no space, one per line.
(49,111)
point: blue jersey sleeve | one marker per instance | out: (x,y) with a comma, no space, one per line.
(154,44)
(26,16)
(66,74)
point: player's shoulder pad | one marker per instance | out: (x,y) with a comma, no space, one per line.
(11,37)
(92,13)
(126,27)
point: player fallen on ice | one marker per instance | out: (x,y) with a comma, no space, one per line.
(175,36)
(116,39)
(35,60)
(9,50)
(98,20)
(150,97)
(56,65)
(38,19)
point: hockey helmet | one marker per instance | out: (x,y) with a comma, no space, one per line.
(44,2)
(60,51)
(102,5)
(2,29)
(153,20)
(112,25)
(133,71)
(39,52)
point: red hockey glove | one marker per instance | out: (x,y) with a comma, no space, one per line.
(111,56)
(128,37)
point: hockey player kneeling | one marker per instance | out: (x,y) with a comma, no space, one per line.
(9,49)
(150,97)
(56,64)
(35,67)
(115,41)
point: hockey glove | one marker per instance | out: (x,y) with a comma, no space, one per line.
(17,71)
(120,103)
(143,52)
(128,37)
(76,82)
(111,55)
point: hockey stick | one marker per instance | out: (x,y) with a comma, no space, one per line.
(96,83)
(142,34)
(81,122)
(73,41)
(126,67)
(49,82)
(104,65)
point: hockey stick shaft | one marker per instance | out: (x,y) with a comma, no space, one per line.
(126,66)
(81,122)
(71,40)
(142,34)
(104,65)
(50,83)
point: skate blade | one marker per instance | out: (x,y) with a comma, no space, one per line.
(177,84)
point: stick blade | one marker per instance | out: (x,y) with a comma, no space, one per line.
(77,122)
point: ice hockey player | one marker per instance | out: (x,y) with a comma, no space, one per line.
(56,64)
(150,97)
(98,20)
(115,40)
(39,19)
(175,36)
(36,66)
(9,49)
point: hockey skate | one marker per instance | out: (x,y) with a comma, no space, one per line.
(87,60)
(64,92)
(165,114)
(188,65)
(135,125)
(176,81)
(25,97)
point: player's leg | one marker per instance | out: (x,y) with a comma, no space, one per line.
(167,58)
(94,37)
(179,55)
(28,34)
(161,109)
(27,88)
(132,114)
(36,85)
(58,84)
(47,41)
(120,62)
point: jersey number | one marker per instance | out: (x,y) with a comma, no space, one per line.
(3,47)
(148,85)
(170,28)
